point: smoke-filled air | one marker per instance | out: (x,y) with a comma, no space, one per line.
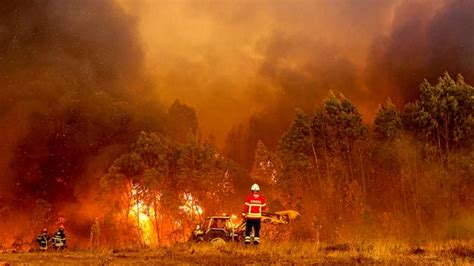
(128,123)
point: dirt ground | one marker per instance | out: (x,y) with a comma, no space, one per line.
(446,253)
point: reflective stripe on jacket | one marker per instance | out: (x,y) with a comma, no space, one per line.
(254,205)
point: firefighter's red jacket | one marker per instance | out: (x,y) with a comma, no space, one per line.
(254,205)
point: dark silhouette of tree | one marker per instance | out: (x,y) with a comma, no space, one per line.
(182,122)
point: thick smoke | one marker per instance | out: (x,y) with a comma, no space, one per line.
(234,60)
(305,70)
(422,40)
(427,39)
(255,63)
(79,78)
(72,97)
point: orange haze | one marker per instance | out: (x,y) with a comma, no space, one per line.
(232,59)
(80,79)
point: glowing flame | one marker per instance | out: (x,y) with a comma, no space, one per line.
(190,205)
(140,214)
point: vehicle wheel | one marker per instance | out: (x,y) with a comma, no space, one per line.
(215,234)
(217,241)
(196,239)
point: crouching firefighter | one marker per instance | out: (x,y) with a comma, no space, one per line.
(254,205)
(43,240)
(59,239)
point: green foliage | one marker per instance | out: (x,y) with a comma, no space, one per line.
(346,120)
(321,160)
(345,182)
(409,117)
(294,152)
(202,171)
(162,174)
(443,114)
(333,129)
(297,140)
(338,124)
(387,123)
(153,149)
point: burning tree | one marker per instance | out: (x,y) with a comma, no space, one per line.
(160,188)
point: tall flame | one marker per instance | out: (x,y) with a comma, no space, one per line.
(141,214)
(190,205)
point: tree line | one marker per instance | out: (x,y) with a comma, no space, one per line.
(410,173)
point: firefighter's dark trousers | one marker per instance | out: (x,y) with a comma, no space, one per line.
(255,224)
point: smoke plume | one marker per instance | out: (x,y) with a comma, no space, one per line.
(426,39)
(72,96)
(233,61)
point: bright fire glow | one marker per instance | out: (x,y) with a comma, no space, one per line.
(140,214)
(190,205)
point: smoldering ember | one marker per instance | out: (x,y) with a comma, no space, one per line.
(184,131)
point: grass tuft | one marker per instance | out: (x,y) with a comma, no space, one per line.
(417,251)
(338,247)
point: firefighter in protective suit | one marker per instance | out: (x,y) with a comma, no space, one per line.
(254,205)
(59,239)
(43,239)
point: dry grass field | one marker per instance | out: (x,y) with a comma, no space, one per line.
(445,253)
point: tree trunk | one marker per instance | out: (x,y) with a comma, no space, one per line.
(402,181)
(446,140)
(351,165)
(161,231)
(129,206)
(138,219)
(328,172)
(316,161)
(155,218)
(414,189)
(440,150)
(362,172)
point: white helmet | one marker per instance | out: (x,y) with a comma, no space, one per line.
(255,187)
